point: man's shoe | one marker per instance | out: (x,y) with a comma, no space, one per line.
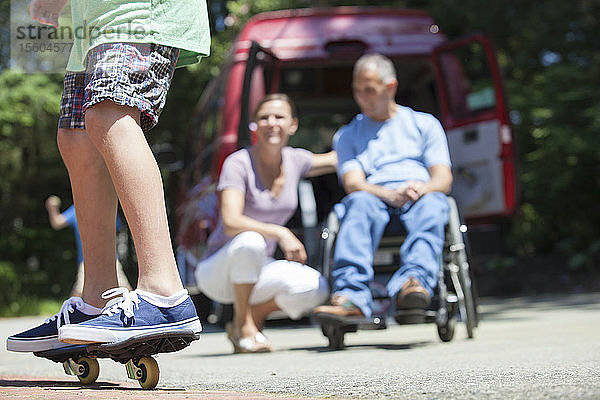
(412,295)
(45,336)
(340,306)
(130,315)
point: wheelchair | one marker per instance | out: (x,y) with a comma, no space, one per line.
(453,300)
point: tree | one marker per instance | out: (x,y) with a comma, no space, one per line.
(30,265)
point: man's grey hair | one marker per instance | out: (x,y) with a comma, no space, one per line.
(380,63)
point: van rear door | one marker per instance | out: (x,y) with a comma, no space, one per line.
(475,117)
(260,78)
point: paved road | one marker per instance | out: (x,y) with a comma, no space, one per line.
(525,348)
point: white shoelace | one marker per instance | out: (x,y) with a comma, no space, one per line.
(68,306)
(126,302)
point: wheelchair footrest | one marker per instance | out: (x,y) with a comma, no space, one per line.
(415,316)
(351,324)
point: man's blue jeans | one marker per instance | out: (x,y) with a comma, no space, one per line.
(363,222)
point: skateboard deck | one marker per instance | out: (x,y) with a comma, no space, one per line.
(136,353)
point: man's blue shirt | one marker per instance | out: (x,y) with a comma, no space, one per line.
(393,151)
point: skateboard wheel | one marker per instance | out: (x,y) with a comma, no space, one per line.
(89,369)
(147,373)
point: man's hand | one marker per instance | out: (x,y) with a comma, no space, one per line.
(415,190)
(396,197)
(412,191)
(46,11)
(292,248)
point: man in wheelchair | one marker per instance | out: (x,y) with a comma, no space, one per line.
(394,164)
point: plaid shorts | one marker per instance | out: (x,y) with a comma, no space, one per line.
(130,74)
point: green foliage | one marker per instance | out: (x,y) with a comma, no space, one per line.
(28,152)
(10,284)
(560,147)
(4,34)
(33,261)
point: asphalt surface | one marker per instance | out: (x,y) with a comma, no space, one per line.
(524,348)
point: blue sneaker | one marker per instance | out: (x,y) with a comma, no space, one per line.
(45,336)
(130,315)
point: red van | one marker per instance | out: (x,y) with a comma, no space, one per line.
(309,54)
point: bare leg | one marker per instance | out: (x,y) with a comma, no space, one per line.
(116,133)
(260,312)
(96,207)
(242,317)
(77,289)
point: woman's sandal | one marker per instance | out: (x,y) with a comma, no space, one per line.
(258,344)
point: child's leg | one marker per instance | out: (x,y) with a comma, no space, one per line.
(96,207)
(77,288)
(95,198)
(125,89)
(116,133)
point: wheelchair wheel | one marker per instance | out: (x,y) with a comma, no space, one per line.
(459,271)
(328,235)
(446,331)
(468,304)
(335,335)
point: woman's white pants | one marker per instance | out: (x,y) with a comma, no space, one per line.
(296,288)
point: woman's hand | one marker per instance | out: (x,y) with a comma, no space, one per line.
(292,248)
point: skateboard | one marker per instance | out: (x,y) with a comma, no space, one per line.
(136,353)
(335,327)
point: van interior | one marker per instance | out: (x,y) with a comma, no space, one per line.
(323,95)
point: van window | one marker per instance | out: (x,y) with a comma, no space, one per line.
(468,81)
(417,87)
